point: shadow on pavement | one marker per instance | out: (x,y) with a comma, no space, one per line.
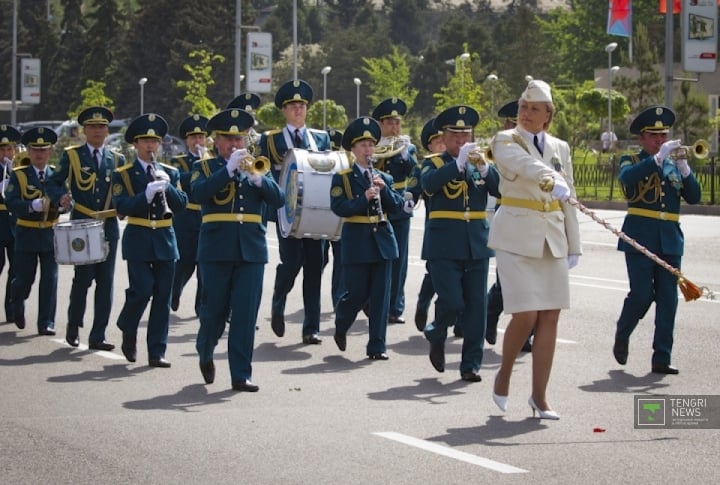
(189,399)
(621,381)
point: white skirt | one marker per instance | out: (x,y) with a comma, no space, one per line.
(532,284)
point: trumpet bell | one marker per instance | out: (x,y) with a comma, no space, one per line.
(700,150)
(255,165)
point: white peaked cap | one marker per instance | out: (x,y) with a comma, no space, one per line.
(537,92)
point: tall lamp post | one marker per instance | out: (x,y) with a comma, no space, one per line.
(493,79)
(324,72)
(609,49)
(357,82)
(142,82)
(463,58)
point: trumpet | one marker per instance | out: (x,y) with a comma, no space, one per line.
(167,212)
(377,203)
(700,150)
(479,156)
(255,165)
(391,146)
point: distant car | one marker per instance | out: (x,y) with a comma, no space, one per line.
(54,124)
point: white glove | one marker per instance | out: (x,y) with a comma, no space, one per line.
(8,164)
(463,155)
(235,159)
(408,206)
(3,185)
(153,188)
(255,179)
(560,189)
(573,260)
(683,166)
(161,175)
(405,150)
(37,205)
(665,151)
(484,169)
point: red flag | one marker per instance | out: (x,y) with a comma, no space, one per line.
(620,18)
(676,6)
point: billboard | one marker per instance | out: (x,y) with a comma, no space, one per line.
(699,35)
(30,80)
(259,62)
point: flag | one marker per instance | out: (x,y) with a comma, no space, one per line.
(677,4)
(620,18)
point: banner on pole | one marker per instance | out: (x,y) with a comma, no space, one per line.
(30,80)
(620,18)
(259,62)
(699,31)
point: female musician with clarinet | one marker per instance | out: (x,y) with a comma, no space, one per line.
(147,193)
(364,197)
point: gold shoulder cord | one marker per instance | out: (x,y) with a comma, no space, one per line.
(346,185)
(452,189)
(652,184)
(231,186)
(76,174)
(24,189)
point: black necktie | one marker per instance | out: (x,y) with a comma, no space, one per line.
(297,140)
(150,173)
(41,175)
(96,156)
(536,142)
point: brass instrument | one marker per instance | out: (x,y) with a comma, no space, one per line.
(255,165)
(700,150)
(391,146)
(7,166)
(167,212)
(478,156)
(377,203)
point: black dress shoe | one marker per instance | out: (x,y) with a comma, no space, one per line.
(664,369)
(340,340)
(620,351)
(527,346)
(245,386)
(71,336)
(437,356)
(312,339)
(46,331)
(277,322)
(471,376)
(420,319)
(20,320)
(129,348)
(159,362)
(175,304)
(10,318)
(491,333)
(395,319)
(208,371)
(102,345)
(378,356)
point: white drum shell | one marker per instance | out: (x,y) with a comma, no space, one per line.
(306,178)
(80,241)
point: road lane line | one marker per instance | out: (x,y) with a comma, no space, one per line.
(450,453)
(101,353)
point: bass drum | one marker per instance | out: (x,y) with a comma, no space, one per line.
(306,178)
(80,241)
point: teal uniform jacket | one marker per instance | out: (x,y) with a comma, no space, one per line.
(145,243)
(457,238)
(89,185)
(347,199)
(218,193)
(18,197)
(650,187)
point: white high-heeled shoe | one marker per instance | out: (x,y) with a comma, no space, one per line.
(500,401)
(549,414)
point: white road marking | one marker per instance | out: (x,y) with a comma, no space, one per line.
(101,353)
(450,453)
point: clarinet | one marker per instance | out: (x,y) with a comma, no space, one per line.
(377,203)
(167,212)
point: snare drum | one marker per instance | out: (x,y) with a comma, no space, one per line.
(306,178)
(80,241)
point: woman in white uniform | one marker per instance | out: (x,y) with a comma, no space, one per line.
(536,237)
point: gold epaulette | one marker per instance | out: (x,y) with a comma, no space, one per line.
(432,155)
(19,167)
(72,147)
(345,171)
(272,132)
(125,167)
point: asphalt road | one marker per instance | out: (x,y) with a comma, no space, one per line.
(326,417)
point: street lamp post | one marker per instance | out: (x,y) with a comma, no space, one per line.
(609,49)
(493,79)
(324,72)
(357,82)
(142,82)
(463,58)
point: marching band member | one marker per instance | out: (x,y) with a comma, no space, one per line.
(654,181)
(187,223)
(536,237)
(9,137)
(147,193)
(360,195)
(293,98)
(400,166)
(87,170)
(232,251)
(455,243)
(26,196)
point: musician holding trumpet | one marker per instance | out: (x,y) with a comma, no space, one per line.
(147,193)
(364,197)
(26,196)
(9,137)
(654,182)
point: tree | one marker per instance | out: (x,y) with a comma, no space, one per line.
(335,115)
(106,23)
(201,78)
(93,94)
(691,119)
(389,77)
(647,88)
